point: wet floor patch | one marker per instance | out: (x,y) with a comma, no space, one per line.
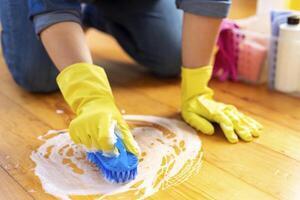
(171,153)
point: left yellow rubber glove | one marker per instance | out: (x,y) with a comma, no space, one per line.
(86,89)
(199,108)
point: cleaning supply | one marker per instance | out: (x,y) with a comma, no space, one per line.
(116,169)
(277,18)
(287,77)
(251,60)
(86,89)
(199,108)
(225,65)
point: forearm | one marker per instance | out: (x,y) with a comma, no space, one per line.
(198,39)
(65,43)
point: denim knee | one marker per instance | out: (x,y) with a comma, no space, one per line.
(24,54)
(32,73)
(33,80)
(169,66)
(167,62)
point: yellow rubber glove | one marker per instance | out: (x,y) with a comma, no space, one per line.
(199,109)
(293,4)
(86,89)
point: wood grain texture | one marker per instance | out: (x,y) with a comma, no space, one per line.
(10,188)
(268,168)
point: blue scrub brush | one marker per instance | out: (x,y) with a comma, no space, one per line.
(117,169)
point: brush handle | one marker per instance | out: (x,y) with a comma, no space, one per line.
(120,146)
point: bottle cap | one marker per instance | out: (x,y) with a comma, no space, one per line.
(293,20)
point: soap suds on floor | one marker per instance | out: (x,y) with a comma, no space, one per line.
(171,153)
(59,111)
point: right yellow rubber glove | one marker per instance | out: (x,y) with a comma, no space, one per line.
(199,108)
(86,89)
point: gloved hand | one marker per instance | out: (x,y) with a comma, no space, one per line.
(86,89)
(199,109)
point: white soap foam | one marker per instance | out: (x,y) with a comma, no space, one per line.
(171,153)
(59,111)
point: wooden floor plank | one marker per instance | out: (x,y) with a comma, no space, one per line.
(214,146)
(247,156)
(210,182)
(20,130)
(35,127)
(9,188)
(268,168)
(127,103)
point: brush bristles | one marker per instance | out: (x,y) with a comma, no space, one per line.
(113,176)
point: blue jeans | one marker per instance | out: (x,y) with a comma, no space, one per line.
(149,31)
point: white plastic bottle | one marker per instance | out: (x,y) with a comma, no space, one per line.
(287,76)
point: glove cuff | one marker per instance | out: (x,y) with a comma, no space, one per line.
(195,82)
(81,83)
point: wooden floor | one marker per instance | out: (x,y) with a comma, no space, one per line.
(268,168)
